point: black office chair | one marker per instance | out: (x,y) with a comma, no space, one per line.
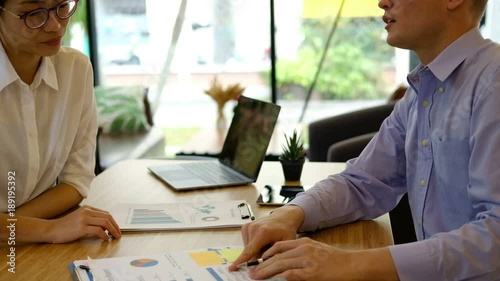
(349,148)
(325,132)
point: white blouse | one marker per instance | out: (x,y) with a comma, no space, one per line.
(47,129)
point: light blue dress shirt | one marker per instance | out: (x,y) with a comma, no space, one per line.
(441,144)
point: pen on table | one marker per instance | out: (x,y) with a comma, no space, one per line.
(252,263)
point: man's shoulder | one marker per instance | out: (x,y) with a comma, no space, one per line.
(483,65)
(490,53)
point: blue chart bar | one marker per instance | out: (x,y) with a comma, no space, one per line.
(214,274)
(147,216)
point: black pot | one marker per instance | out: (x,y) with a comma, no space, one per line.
(292,170)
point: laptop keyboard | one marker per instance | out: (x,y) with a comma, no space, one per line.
(212,172)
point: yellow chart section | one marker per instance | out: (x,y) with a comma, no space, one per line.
(230,254)
(210,258)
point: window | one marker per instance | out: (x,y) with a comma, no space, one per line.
(177,47)
(180,46)
(77,35)
(337,51)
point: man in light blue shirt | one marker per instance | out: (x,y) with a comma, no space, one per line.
(441,145)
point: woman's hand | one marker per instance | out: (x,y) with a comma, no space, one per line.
(84,221)
(281,225)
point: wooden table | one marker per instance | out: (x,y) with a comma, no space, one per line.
(129,181)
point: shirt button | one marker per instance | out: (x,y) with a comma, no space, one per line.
(422,182)
(441,89)
(419,221)
(425,143)
(425,103)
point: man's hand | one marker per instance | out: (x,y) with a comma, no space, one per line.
(306,259)
(281,225)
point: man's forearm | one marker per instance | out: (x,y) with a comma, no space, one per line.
(51,203)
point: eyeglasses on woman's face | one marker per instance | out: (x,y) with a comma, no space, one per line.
(37,18)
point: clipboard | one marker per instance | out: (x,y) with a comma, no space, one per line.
(182,216)
(80,272)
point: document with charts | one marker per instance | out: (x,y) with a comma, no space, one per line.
(195,265)
(185,215)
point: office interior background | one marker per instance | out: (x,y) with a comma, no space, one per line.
(175,48)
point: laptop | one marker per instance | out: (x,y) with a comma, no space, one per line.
(241,157)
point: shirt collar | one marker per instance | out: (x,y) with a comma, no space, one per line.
(449,59)
(46,72)
(8,74)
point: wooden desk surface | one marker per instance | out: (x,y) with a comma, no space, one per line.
(130,181)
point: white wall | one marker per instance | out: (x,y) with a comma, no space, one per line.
(492,27)
(402,62)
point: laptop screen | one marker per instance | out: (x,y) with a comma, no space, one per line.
(249,135)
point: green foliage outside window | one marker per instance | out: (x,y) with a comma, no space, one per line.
(78,18)
(356,59)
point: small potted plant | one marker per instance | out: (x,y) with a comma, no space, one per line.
(293,157)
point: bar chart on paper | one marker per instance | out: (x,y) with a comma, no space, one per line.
(151,216)
(187,215)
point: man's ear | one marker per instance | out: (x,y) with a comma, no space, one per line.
(453,4)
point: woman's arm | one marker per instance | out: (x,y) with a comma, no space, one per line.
(51,203)
(82,222)
(31,221)
(24,228)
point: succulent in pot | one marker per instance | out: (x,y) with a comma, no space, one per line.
(293,157)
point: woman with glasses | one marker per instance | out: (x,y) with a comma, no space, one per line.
(48,126)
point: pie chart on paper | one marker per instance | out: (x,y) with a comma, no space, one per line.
(143,262)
